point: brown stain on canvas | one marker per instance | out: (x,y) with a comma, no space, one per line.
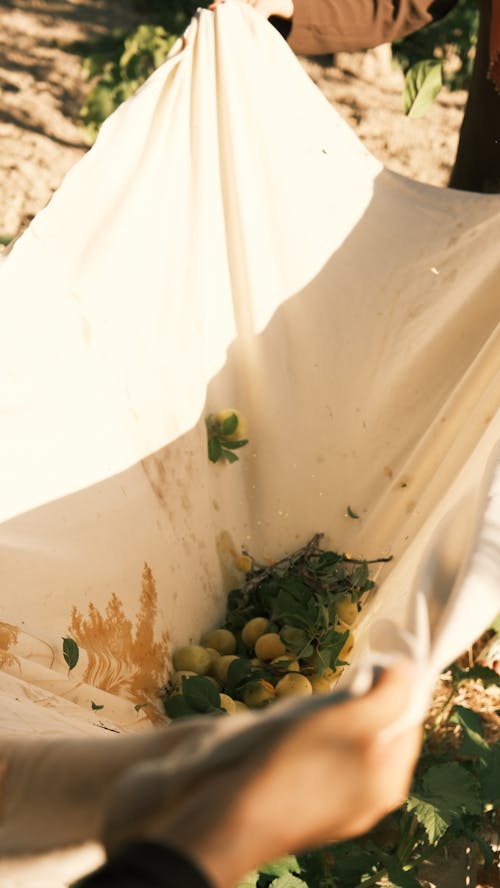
(228,557)
(122,660)
(8,638)
(155,472)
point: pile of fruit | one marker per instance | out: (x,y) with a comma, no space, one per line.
(288,631)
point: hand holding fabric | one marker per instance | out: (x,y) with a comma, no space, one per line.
(267,8)
(262,786)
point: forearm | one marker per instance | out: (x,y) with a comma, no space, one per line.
(324,26)
(54,791)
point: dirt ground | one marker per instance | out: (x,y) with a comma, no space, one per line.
(42,89)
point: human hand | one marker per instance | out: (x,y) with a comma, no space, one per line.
(281,8)
(273,785)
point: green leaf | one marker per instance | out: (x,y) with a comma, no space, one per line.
(249,881)
(214,449)
(430,816)
(350,862)
(489,777)
(359,575)
(229,425)
(200,693)
(288,864)
(330,651)
(139,706)
(230,457)
(235,445)
(448,791)
(473,742)
(176,707)
(352,513)
(294,640)
(71,652)
(423,82)
(96,706)
(488,677)
(287,880)
(237,672)
(398,876)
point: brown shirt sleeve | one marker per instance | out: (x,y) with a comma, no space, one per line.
(324,26)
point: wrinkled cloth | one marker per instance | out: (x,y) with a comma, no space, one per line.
(353,319)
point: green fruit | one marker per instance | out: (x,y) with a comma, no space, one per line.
(239,706)
(347,611)
(221,666)
(192,658)
(241,425)
(220,640)
(253,630)
(269,646)
(258,695)
(294,684)
(227,703)
(319,684)
(214,655)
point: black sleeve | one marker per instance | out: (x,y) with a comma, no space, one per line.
(146,865)
(324,26)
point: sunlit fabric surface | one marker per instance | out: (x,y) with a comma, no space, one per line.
(229,243)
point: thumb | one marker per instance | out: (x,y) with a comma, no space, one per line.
(390,697)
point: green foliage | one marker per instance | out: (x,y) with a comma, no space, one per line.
(453,795)
(119,63)
(487,677)
(300,592)
(282,873)
(288,880)
(451,40)
(121,71)
(456,787)
(445,793)
(298,595)
(281,867)
(423,83)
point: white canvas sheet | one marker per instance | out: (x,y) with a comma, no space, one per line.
(229,243)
